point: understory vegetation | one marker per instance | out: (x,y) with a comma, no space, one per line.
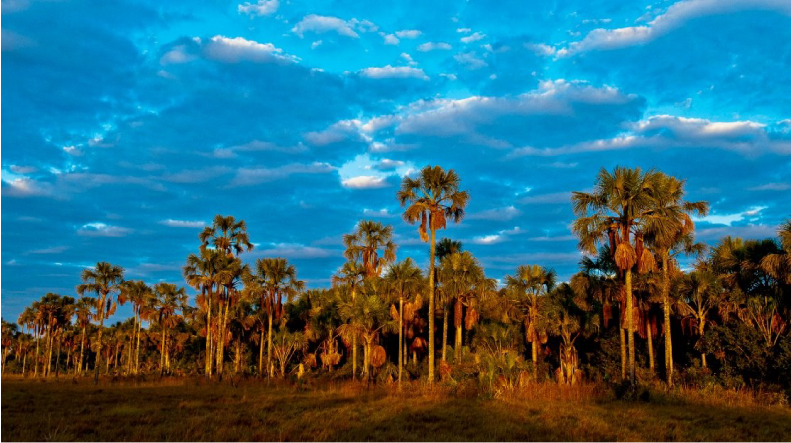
(719,325)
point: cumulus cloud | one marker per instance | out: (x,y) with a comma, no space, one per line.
(254,176)
(473,37)
(676,15)
(295,251)
(394,72)
(365,182)
(261,8)
(98,229)
(238,49)
(433,46)
(320,24)
(408,33)
(506,213)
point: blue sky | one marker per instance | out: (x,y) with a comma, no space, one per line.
(128,125)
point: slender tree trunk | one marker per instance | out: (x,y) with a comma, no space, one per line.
(431,306)
(459,332)
(354,344)
(24,362)
(650,347)
(35,360)
(630,325)
(131,345)
(82,350)
(68,357)
(209,353)
(99,338)
(445,333)
(162,352)
(269,347)
(261,354)
(237,358)
(400,338)
(666,325)
(622,332)
(137,345)
(49,352)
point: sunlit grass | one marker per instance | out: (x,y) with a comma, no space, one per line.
(191,409)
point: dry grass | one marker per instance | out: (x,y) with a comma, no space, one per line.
(190,409)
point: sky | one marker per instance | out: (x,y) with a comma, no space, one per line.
(127,126)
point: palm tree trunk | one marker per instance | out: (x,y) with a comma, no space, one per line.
(622,332)
(400,338)
(131,345)
(35,360)
(68,357)
(49,353)
(459,331)
(221,344)
(99,338)
(24,362)
(431,306)
(82,350)
(444,333)
(354,345)
(162,352)
(666,326)
(261,354)
(630,325)
(209,354)
(269,347)
(650,347)
(137,346)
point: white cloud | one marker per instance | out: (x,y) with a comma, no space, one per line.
(728,219)
(432,46)
(408,59)
(320,24)
(261,8)
(389,164)
(473,38)
(394,72)
(463,30)
(365,182)
(238,49)
(390,39)
(408,33)
(470,60)
(315,44)
(675,16)
(52,250)
(183,223)
(382,213)
(294,250)
(102,230)
(771,187)
(551,198)
(488,239)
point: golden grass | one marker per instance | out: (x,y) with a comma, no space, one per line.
(191,409)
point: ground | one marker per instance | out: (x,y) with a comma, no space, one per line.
(192,409)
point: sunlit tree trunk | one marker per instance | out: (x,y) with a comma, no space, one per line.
(459,331)
(162,352)
(50,343)
(622,333)
(209,354)
(82,350)
(431,305)
(650,348)
(354,344)
(68,358)
(99,339)
(400,338)
(269,347)
(444,333)
(630,325)
(24,362)
(701,324)
(261,355)
(37,331)
(137,346)
(131,345)
(666,314)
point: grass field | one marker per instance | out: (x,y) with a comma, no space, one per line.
(190,409)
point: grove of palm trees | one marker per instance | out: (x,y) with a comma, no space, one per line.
(657,336)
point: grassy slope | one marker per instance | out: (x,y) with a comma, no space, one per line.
(192,410)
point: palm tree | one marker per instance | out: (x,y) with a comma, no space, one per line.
(351,274)
(276,278)
(286,344)
(528,288)
(432,198)
(700,293)
(464,281)
(621,208)
(227,235)
(363,245)
(671,235)
(405,281)
(569,315)
(168,299)
(27,319)
(202,272)
(138,293)
(779,265)
(365,316)
(84,316)
(104,280)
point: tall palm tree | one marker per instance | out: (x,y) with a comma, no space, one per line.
(84,315)
(365,243)
(778,265)
(366,316)
(620,209)
(277,279)
(226,234)
(671,235)
(167,302)
(104,280)
(27,319)
(528,288)
(136,292)
(405,281)
(351,274)
(432,198)
(202,272)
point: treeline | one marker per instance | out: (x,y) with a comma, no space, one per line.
(723,321)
